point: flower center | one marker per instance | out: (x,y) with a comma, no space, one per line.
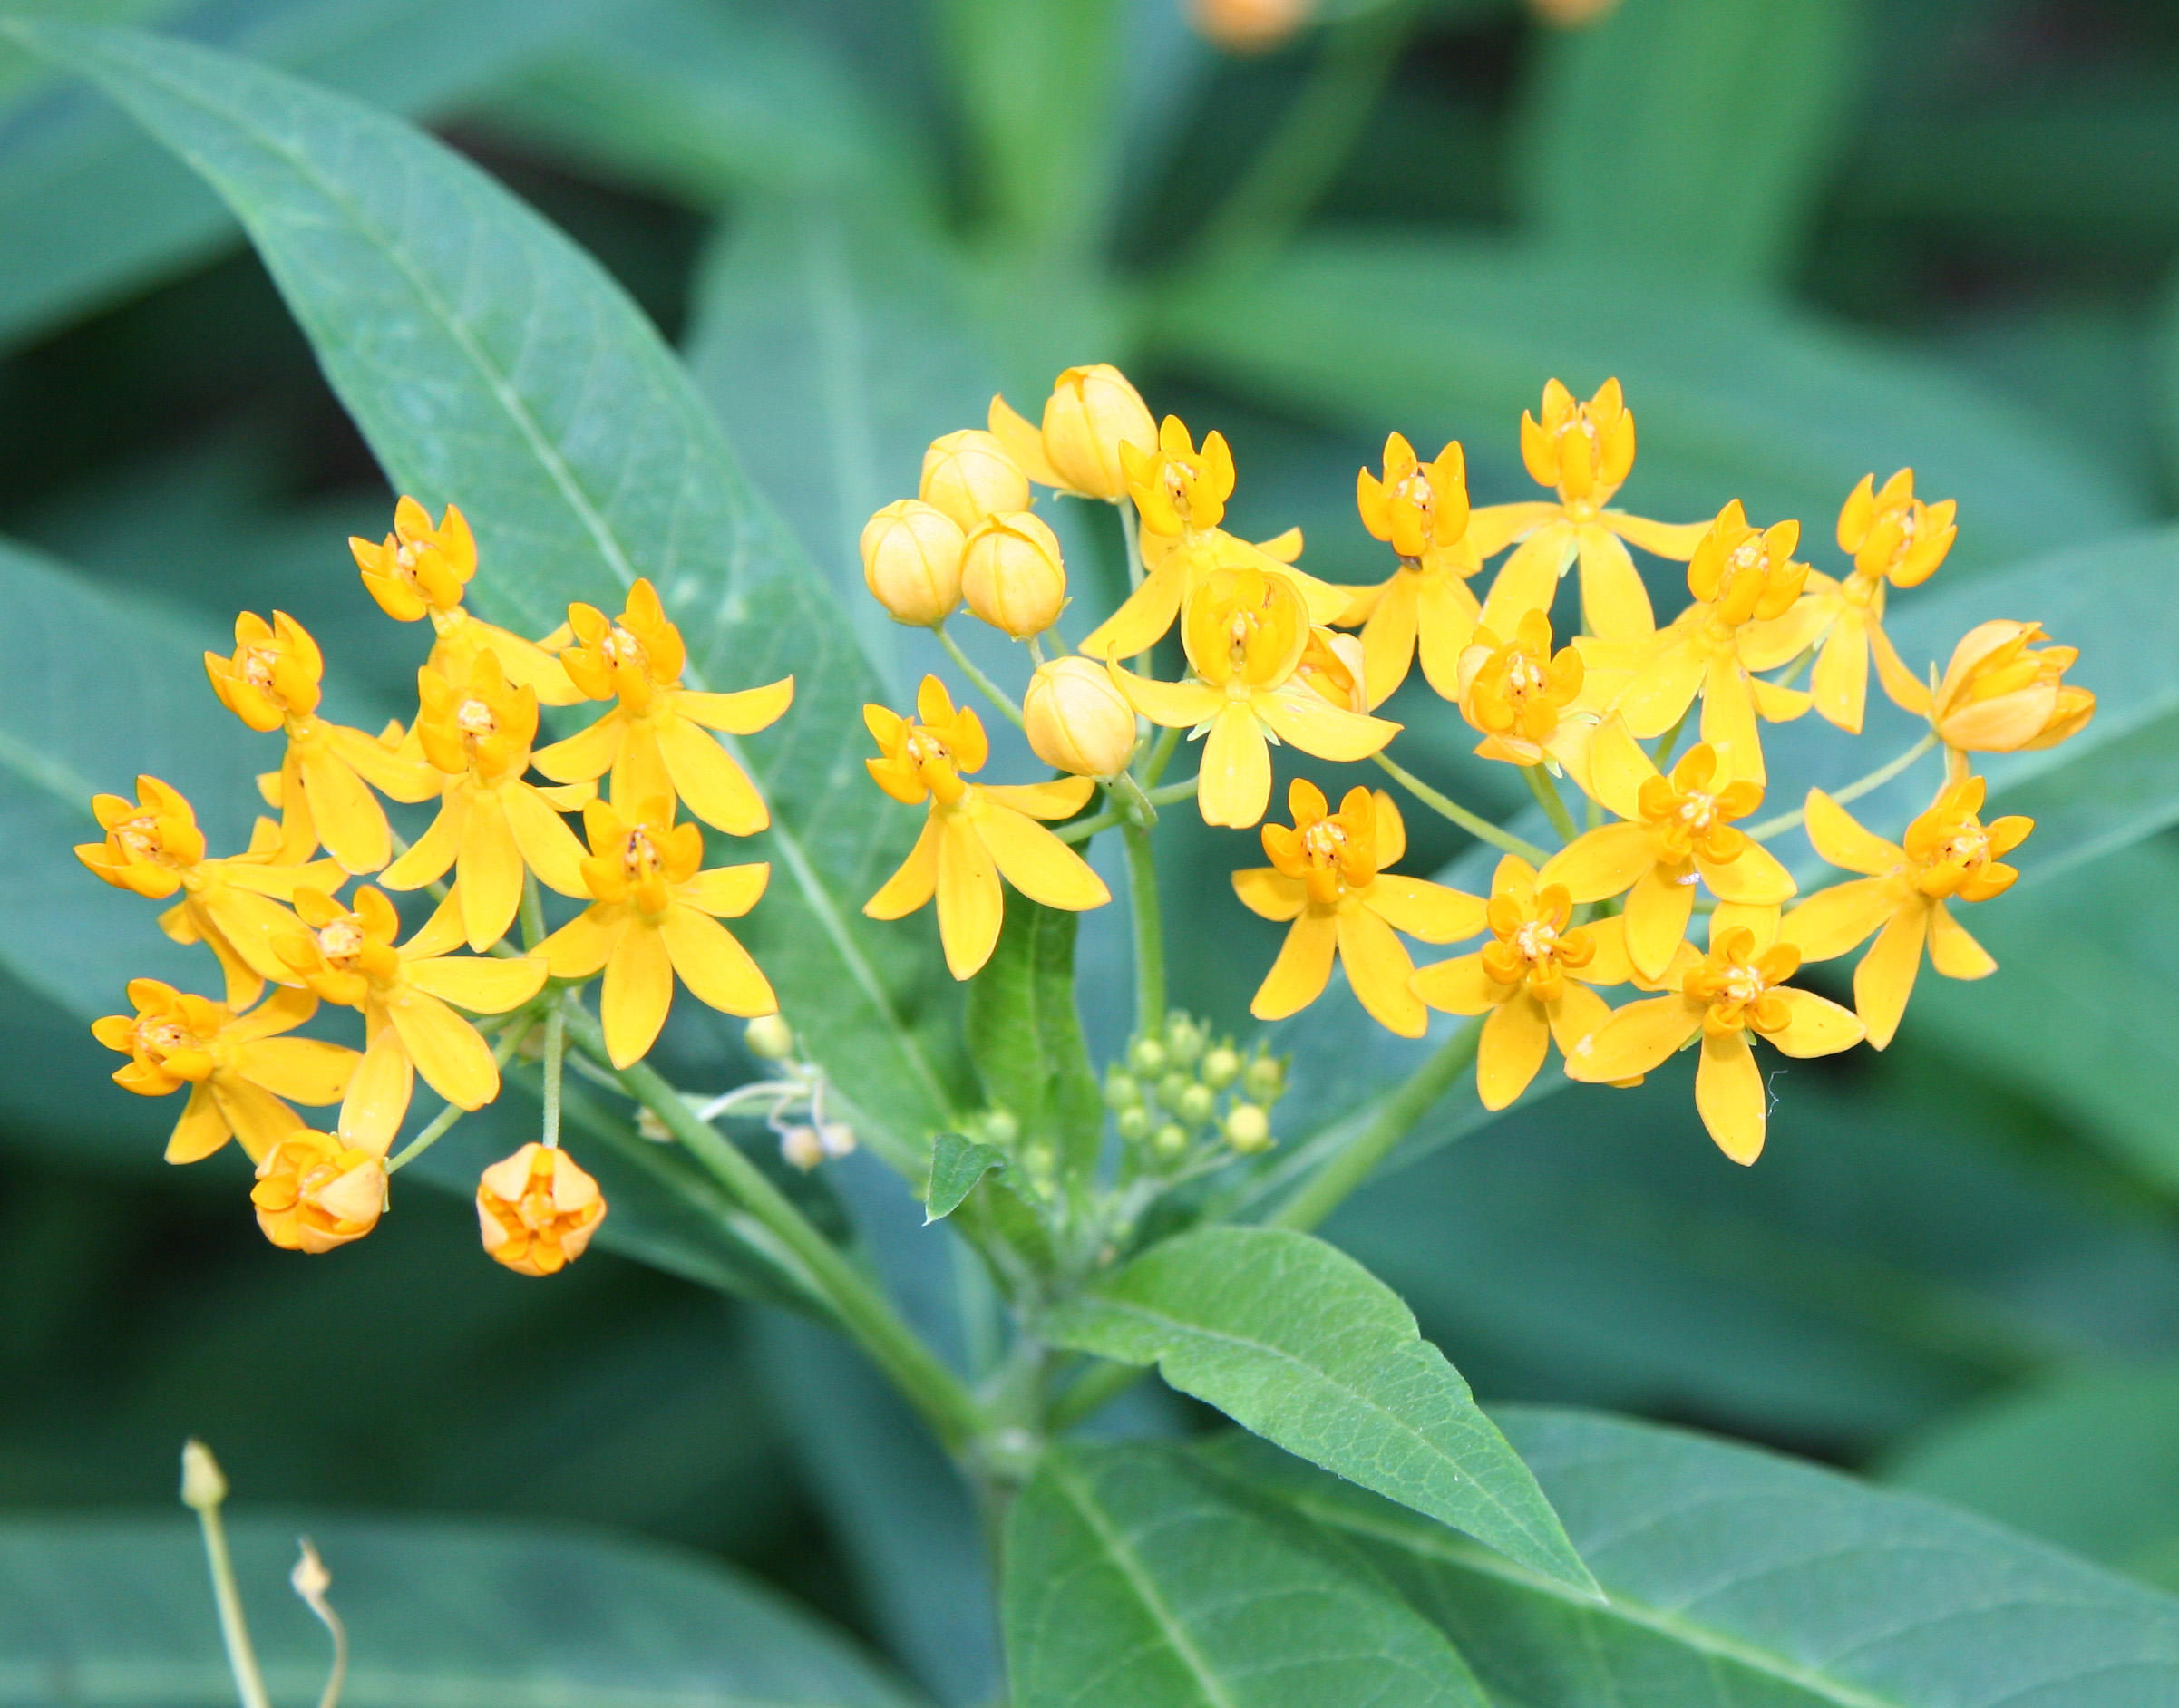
(474,718)
(638,855)
(141,836)
(1536,942)
(621,646)
(1323,841)
(340,943)
(1415,489)
(258,665)
(1740,985)
(165,1037)
(1697,810)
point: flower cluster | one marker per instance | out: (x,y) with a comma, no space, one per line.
(287,942)
(1276,656)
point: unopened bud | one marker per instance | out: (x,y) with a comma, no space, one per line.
(1184,1038)
(1265,1079)
(1039,1160)
(310,1579)
(1248,1128)
(203,1485)
(1122,1091)
(1000,1127)
(1134,1124)
(1170,1141)
(1077,720)
(316,1191)
(536,1210)
(911,562)
(1172,1088)
(1196,1104)
(969,476)
(769,1038)
(1092,411)
(1012,576)
(1146,1056)
(1221,1067)
(802,1147)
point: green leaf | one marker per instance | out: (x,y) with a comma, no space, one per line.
(1136,1575)
(1694,132)
(956,1164)
(1298,1342)
(103,1610)
(1446,338)
(489,361)
(90,209)
(2089,1460)
(1026,1037)
(1735,1576)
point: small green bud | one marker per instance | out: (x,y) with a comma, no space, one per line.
(1248,1128)
(769,1038)
(1039,1161)
(1146,1056)
(1221,1067)
(1134,1124)
(1000,1128)
(1170,1141)
(1172,1088)
(1196,1104)
(1265,1079)
(1122,1091)
(1183,1040)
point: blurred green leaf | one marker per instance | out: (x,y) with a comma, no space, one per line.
(1301,1344)
(1736,1576)
(487,359)
(1136,1575)
(1026,1037)
(1692,132)
(104,1610)
(90,209)
(956,1164)
(2089,1460)
(1446,338)
(20,71)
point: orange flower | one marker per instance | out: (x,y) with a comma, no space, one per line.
(2000,695)
(1526,699)
(315,1192)
(536,1210)
(1421,510)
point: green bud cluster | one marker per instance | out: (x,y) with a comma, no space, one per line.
(1179,1087)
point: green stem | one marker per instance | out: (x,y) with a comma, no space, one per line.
(1128,527)
(1160,757)
(1036,649)
(1094,1390)
(511,1040)
(1082,830)
(1404,1105)
(1128,796)
(1663,756)
(990,689)
(872,1322)
(1855,790)
(1473,823)
(1149,932)
(234,1628)
(533,911)
(556,1056)
(1542,785)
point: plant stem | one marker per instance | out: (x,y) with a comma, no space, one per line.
(1403,1106)
(533,911)
(1546,791)
(1160,757)
(1150,931)
(556,1056)
(1128,533)
(1855,790)
(990,689)
(1082,830)
(934,1390)
(1473,823)
(234,1628)
(511,1040)
(1664,748)
(1094,1390)
(1133,803)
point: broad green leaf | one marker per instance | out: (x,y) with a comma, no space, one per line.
(956,1164)
(2089,1460)
(20,71)
(489,361)
(1026,1037)
(1447,338)
(1737,1579)
(1301,1344)
(90,209)
(1136,1575)
(116,1610)
(1695,132)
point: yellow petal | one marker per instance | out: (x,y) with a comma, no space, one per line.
(1613,599)
(305,1070)
(728,891)
(586,755)
(1298,975)
(1730,1097)
(1148,612)
(488,875)
(482,984)
(548,846)
(1834,834)
(1657,910)
(1036,862)
(1528,580)
(972,903)
(1236,775)
(1728,719)
(260,1118)
(1608,960)
(201,1129)
(1378,967)
(742,714)
(1515,1040)
(1425,910)
(1606,861)
(1814,1026)
(706,777)
(1315,726)
(1448,613)
(1388,640)
(378,1095)
(1177,705)
(911,886)
(1265,893)
(1840,683)
(637,993)
(1664,684)
(1061,798)
(1835,921)
(1752,875)
(582,946)
(433,852)
(1618,768)
(1392,830)
(1575,1013)
(1495,527)
(1676,540)
(249,926)
(1907,691)
(446,1049)
(1885,978)
(347,817)
(1459,986)
(715,965)
(1952,950)
(1635,1040)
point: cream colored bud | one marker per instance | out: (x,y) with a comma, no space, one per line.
(969,476)
(1092,411)
(1011,575)
(769,1038)
(1248,1128)
(203,1485)
(1077,720)
(911,562)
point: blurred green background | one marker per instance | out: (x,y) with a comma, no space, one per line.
(1814,237)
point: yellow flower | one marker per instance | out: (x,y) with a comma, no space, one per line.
(1335,669)
(1245,632)
(653,742)
(420,570)
(315,1192)
(1011,574)
(329,770)
(1526,699)
(1742,579)
(967,476)
(237,1067)
(1950,855)
(1326,876)
(911,562)
(537,1209)
(656,914)
(154,848)
(1090,414)
(1738,988)
(491,823)
(1421,510)
(1676,831)
(974,833)
(2000,694)
(348,957)
(1076,720)
(1532,979)
(1585,450)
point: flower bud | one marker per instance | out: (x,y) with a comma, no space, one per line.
(1091,413)
(1122,1091)
(537,1209)
(1011,574)
(1134,1124)
(911,562)
(1221,1067)
(1196,1104)
(1265,1079)
(1077,720)
(2000,695)
(1000,1127)
(1172,1088)
(1248,1128)
(203,1483)
(969,476)
(1170,1139)
(315,1192)
(1146,1056)
(801,1148)
(769,1038)
(1183,1038)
